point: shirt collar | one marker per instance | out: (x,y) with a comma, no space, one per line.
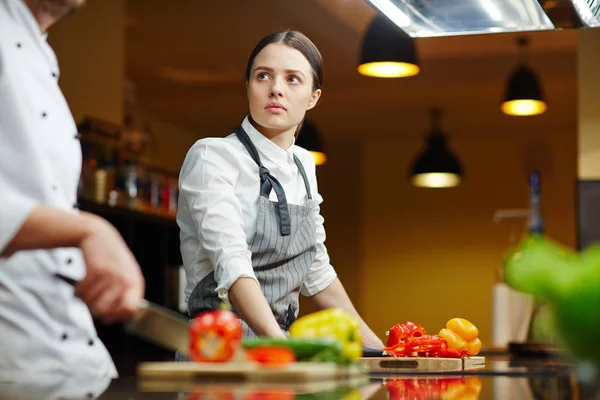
(266,148)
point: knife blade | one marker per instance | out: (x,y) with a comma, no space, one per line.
(155,324)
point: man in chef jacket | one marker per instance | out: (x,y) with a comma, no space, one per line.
(45,324)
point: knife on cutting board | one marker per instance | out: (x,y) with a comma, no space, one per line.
(154,323)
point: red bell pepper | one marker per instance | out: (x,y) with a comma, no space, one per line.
(215,335)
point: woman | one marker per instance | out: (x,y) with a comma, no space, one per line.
(251,231)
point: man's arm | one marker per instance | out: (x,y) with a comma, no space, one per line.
(113,285)
(47,228)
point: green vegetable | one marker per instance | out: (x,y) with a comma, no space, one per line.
(322,350)
(569,283)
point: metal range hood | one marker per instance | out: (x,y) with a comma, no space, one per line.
(428,18)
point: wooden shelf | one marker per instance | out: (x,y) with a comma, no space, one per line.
(104,209)
(154,241)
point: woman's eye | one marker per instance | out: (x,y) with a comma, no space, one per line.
(294,79)
(262,76)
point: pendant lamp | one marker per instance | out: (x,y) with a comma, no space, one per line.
(523,95)
(310,139)
(387,51)
(436,166)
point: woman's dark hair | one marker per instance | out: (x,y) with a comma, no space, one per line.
(297,41)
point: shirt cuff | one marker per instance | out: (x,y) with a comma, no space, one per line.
(229,272)
(323,280)
(13,213)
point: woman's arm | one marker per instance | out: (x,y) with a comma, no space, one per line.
(247,298)
(335,296)
(207,185)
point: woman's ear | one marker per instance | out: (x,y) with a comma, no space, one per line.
(314,99)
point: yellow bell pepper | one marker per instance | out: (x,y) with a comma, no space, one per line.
(332,323)
(462,334)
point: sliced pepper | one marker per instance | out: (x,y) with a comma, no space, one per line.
(426,346)
(404,333)
(333,323)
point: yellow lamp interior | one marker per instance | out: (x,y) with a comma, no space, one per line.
(436,180)
(388,69)
(524,107)
(319,157)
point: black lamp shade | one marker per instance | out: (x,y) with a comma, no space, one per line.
(436,166)
(387,51)
(310,139)
(523,95)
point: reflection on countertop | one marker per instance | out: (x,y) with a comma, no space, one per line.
(501,379)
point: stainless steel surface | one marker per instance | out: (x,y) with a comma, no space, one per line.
(160,326)
(428,18)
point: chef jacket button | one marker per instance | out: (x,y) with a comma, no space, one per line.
(44,114)
(91,342)
(19,45)
(64,337)
(90,395)
(54,75)
(69,260)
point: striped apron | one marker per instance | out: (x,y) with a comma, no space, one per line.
(283,248)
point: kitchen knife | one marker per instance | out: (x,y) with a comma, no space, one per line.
(367,352)
(154,323)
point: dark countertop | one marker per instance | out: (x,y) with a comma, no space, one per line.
(500,379)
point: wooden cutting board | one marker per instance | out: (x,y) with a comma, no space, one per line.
(421,364)
(249,371)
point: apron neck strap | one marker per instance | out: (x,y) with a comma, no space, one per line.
(304,177)
(267,183)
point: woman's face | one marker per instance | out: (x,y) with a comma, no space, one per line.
(280,87)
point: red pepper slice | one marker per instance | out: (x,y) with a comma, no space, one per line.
(398,334)
(398,350)
(452,353)
(426,345)
(404,333)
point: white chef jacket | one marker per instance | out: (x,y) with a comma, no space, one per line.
(43,327)
(218,204)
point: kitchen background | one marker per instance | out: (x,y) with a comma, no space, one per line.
(170,73)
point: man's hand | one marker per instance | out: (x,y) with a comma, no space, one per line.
(113,286)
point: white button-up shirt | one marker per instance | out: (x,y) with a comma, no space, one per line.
(43,327)
(218,204)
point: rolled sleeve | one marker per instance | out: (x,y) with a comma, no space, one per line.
(207,185)
(321,273)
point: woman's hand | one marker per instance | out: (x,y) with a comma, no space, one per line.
(335,296)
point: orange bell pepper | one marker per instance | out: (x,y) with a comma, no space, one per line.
(461,334)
